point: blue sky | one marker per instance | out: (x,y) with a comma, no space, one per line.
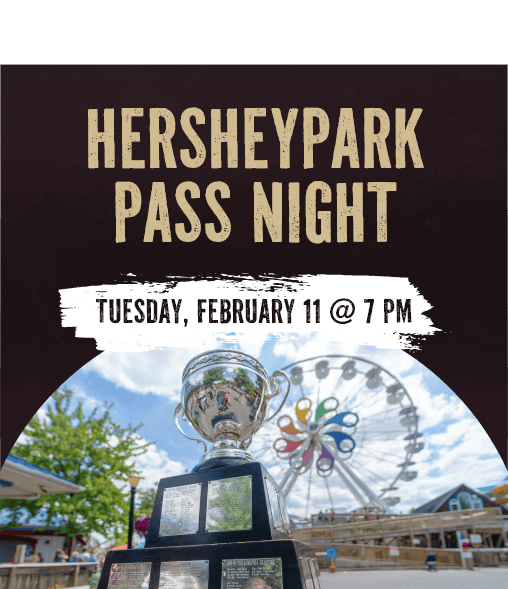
(145,387)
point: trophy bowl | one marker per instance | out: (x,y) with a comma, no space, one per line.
(225,399)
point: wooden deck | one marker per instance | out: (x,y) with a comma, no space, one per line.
(386,528)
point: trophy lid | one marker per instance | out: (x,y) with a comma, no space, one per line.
(233,357)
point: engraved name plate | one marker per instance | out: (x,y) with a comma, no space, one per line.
(252,573)
(307,574)
(192,574)
(274,506)
(229,505)
(315,572)
(180,510)
(285,515)
(132,575)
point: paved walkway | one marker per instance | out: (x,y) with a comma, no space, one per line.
(484,578)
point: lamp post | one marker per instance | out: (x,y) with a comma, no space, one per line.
(133,482)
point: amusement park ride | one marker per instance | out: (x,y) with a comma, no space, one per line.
(351,418)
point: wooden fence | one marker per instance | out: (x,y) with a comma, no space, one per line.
(45,576)
(412,556)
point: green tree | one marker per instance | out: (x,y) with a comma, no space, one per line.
(91,451)
(242,375)
(212,375)
(146,500)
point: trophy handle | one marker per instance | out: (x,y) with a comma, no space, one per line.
(275,385)
(175,419)
(247,443)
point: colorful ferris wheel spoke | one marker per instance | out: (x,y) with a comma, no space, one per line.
(345,419)
(302,408)
(287,427)
(325,461)
(289,447)
(326,406)
(344,442)
(307,456)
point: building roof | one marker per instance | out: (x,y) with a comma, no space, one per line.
(20,479)
(435,505)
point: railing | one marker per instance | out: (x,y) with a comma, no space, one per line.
(350,518)
(473,519)
(489,557)
(45,576)
(413,556)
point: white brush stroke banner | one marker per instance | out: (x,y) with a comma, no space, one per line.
(372,310)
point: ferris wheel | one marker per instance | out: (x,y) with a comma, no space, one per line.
(349,424)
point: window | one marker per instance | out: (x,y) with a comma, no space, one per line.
(477,502)
(454,505)
(465,500)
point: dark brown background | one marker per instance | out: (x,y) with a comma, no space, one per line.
(446,222)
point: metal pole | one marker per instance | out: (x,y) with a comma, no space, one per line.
(131,519)
(348,483)
(462,558)
(290,485)
(368,492)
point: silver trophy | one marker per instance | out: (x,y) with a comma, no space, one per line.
(225,399)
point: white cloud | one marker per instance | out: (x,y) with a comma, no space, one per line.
(89,402)
(158,372)
(310,345)
(42,413)
(152,466)
(253,348)
(156,464)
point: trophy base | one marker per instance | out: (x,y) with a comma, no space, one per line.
(276,564)
(221,457)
